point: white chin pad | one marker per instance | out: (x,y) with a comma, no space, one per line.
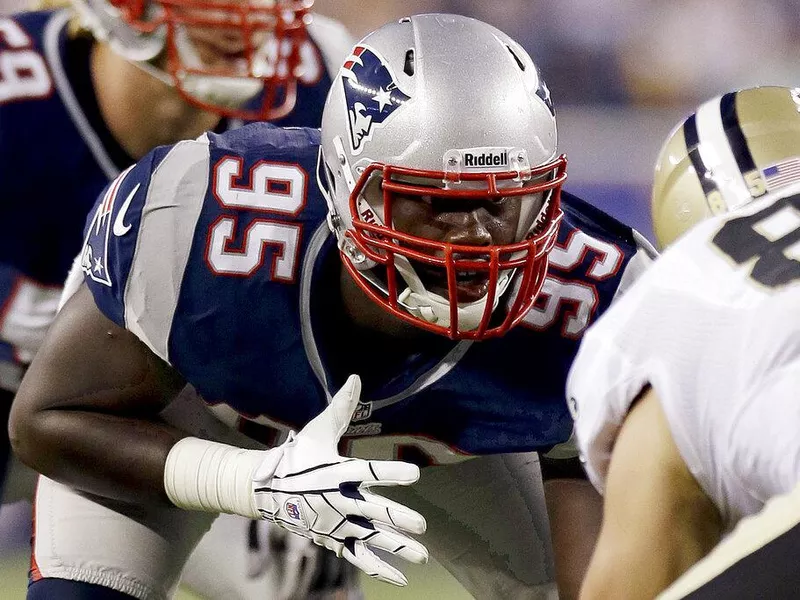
(229,92)
(434,308)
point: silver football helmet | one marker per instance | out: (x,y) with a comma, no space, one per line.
(450,111)
(266,37)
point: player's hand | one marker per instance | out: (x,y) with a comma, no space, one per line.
(305,486)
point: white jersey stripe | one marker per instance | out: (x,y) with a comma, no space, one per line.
(718,156)
(51,36)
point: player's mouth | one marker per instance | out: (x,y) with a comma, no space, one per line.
(471,286)
(234,61)
(225,55)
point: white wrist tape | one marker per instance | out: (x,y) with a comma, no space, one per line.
(212,477)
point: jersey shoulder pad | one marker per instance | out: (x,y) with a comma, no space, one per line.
(29,28)
(268,169)
(31,77)
(594,221)
(265,139)
(200,219)
(29,43)
(601,386)
(149,210)
(32,47)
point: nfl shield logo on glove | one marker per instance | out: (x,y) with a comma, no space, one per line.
(294,511)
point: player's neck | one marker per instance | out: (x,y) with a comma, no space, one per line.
(140,111)
(368,316)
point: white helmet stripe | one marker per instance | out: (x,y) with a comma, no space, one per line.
(717,155)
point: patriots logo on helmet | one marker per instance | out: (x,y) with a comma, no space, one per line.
(544,93)
(371,93)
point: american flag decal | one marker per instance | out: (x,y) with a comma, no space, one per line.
(782,173)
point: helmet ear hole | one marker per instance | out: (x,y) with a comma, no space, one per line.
(408,67)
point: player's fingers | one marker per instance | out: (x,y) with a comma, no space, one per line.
(382,510)
(344,402)
(353,526)
(328,426)
(377,472)
(356,553)
(392,472)
(399,545)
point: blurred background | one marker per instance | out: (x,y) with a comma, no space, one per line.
(622,74)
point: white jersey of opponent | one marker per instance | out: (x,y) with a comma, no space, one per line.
(714,328)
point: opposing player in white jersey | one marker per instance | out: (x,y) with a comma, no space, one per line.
(685,393)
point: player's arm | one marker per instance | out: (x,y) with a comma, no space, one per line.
(657,521)
(86,413)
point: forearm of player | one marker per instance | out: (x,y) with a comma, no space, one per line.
(657,521)
(86,413)
(107,455)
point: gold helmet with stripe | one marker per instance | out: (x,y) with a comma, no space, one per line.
(733,149)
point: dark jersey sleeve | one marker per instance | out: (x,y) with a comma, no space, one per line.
(139,234)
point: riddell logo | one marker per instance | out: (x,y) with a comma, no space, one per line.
(486,159)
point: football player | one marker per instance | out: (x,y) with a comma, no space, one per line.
(407,242)
(685,391)
(86,93)
(83,96)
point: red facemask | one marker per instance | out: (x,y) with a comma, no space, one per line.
(240,28)
(382,244)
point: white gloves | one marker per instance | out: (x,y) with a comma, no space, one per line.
(306,487)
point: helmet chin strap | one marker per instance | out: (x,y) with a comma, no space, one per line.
(434,308)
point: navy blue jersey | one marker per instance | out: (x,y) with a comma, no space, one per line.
(55,158)
(212,253)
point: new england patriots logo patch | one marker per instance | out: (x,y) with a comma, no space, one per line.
(94,255)
(371,93)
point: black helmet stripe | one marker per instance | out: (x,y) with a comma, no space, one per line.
(734,133)
(692,141)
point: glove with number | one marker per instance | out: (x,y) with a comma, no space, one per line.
(305,486)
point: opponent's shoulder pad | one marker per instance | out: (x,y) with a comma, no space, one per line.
(601,386)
